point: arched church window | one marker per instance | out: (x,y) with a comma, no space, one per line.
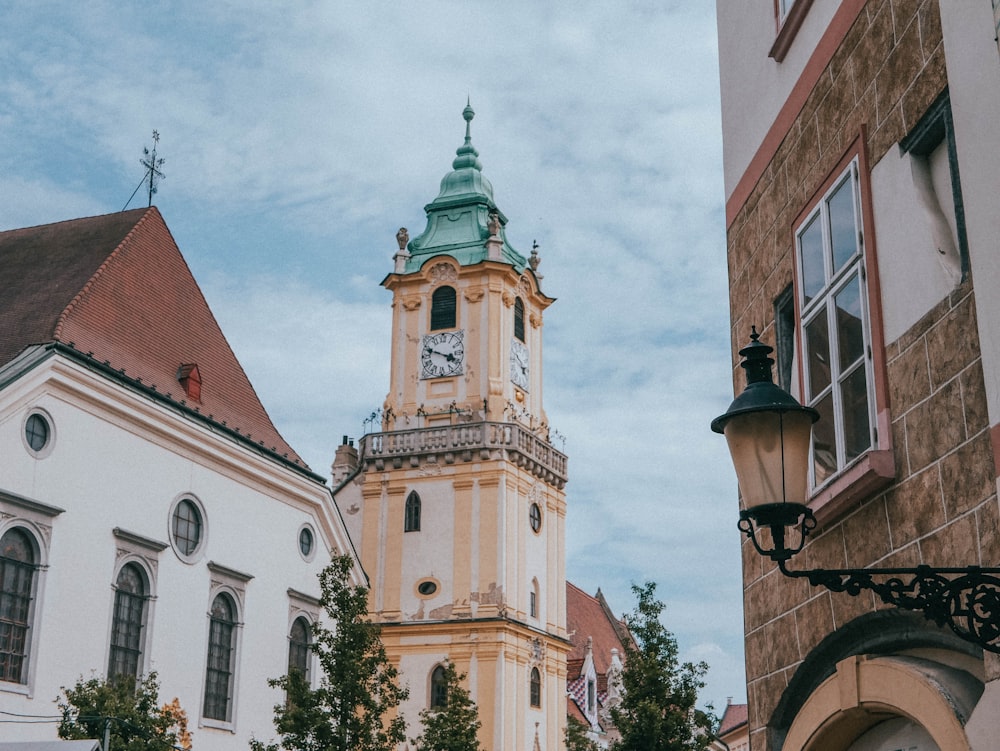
(536,688)
(439,689)
(17,583)
(519,318)
(443,308)
(128,623)
(411,522)
(298,647)
(221,659)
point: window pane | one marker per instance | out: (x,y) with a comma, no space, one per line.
(843,228)
(187,527)
(857,431)
(17,573)
(128,622)
(818,354)
(824,442)
(298,648)
(811,259)
(850,332)
(222,630)
(439,688)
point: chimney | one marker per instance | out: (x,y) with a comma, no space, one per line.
(344,462)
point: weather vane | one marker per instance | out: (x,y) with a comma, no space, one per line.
(153,173)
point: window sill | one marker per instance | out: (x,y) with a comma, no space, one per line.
(10,687)
(869,474)
(209,723)
(790,27)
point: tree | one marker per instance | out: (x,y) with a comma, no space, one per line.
(354,707)
(454,726)
(576,737)
(130,709)
(657,710)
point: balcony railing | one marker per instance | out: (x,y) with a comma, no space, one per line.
(475,441)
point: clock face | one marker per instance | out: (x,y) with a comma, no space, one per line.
(442,354)
(519,364)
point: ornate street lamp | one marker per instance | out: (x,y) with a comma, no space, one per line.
(768,433)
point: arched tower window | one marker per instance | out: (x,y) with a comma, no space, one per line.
(519,318)
(439,689)
(298,647)
(536,688)
(443,308)
(129,622)
(18,564)
(411,521)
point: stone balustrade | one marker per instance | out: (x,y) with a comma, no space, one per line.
(466,442)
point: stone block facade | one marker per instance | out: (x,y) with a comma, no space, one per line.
(937,503)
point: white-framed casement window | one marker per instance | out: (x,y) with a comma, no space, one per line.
(835,330)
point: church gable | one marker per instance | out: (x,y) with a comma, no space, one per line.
(121,293)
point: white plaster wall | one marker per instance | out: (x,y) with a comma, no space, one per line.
(974,83)
(108,471)
(754,87)
(911,275)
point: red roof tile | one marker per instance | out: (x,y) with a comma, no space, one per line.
(588,616)
(734,717)
(117,287)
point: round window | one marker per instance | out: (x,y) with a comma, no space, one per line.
(427,588)
(535,517)
(187,528)
(306,542)
(38,434)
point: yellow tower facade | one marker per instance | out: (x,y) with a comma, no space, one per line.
(461,514)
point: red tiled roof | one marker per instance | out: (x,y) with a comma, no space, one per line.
(118,288)
(588,616)
(734,717)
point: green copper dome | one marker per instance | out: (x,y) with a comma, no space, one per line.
(459,220)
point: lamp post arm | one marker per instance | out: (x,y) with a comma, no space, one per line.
(966,600)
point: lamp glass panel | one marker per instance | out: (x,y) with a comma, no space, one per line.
(770,452)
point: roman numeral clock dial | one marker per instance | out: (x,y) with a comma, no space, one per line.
(442,354)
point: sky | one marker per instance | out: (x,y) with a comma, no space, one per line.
(297,137)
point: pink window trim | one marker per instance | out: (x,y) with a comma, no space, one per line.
(876,468)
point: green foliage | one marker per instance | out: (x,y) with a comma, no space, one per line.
(354,706)
(657,711)
(576,737)
(453,727)
(137,720)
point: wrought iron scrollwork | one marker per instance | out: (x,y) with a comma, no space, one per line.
(966,600)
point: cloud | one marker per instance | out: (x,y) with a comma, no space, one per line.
(299,136)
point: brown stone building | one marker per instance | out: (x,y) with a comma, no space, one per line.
(862,170)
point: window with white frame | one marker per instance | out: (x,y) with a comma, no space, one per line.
(128,623)
(134,585)
(225,623)
(835,330)
(18,578)
(25,532)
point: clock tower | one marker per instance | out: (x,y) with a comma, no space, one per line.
(461,509)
